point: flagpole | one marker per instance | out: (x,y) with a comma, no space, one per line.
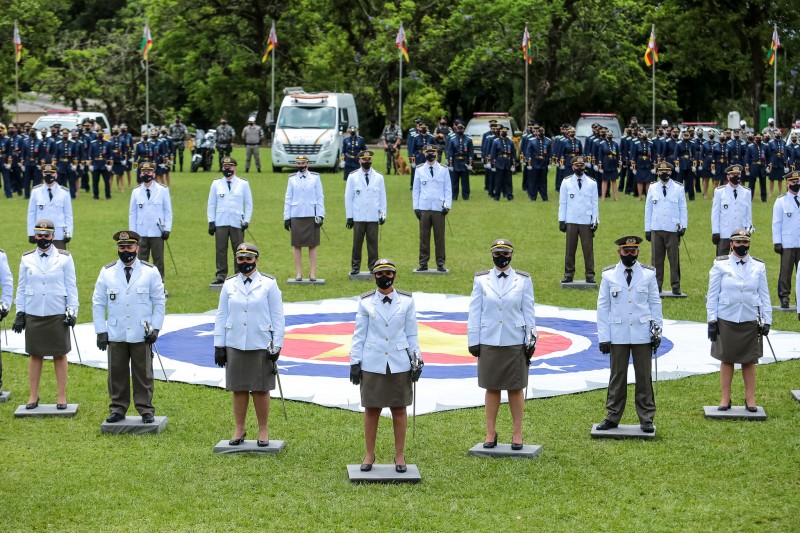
(272,98)
(400,97)
(526,94)
(147,91)
(775,84)
(16,72)
(653,66)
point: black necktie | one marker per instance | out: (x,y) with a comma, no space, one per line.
(229,185)
(502,275)
(44,255)
(431,171)
(247,280)
(665,190)
(148,193)
(50,192)
(797,200)
(628,275)
(128,273)
(580,183)
(366,177)
(387,300)
(740,262)
(735,194)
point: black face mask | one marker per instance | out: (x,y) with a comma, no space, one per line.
(424,131)
(628,260)
(384,282)
(579,172)
(227,172)
(430,157)
(147,178)
(352,134)
(503,134)
(43,244)
(49,178)
(126,256)
(500,261)
(664,177)
(741,251)
(736,181)
(366,165)
(246,268)
(795,187)
(302,169)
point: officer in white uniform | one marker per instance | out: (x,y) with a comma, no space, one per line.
(665,222)
(128,294)
(230,207)
(628,305)
(150,215)
(6,295)
(365,209)
(731,208)
(384,341)
(53,202)
(432,198)
(786,234)
(578,216)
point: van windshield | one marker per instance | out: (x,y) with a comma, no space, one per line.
(307,117)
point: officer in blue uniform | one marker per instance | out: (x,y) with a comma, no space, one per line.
(530,132)
(14,161)
(755,165)
(778,161)
(628,306)
(557,151)
(99,157)
(416,144)
(486,147)
(609,162)
(668,150)
(5,167)
(61,161)
(686,163)
(128,295)
(644,154)
(460,156)
(588,150)
(538,155)
(503,157)
(144,151)
(352,145)
(382,359)
(710,154)
(32,155)
(118,150)
(665,222)
(735,149)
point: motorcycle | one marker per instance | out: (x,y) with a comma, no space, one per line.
(203,151)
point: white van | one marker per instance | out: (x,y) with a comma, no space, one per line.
(71,120)
(313,125)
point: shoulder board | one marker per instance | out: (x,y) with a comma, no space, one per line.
(523,273)
(481,273)
(111,264)
(28,253)
(63,252)
(65,188)
(145,263)
(757,259)
(746,187)
(226,279)
(217,179)
(243,179)
(314,173)
(2,251)
(721,187)
(270,276)
(404,293)
(367,294)
(648,267)
(780,196)
(591,178)
(609,267)
(138,186)
(653,181)
(40,185)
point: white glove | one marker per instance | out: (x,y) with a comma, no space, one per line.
(8,166)
(341,164)
(450,168)
(700,167)
(19,165)
(493,169)
(595,167)
(162,165)
(73,168)
(469,167)
(652,171)
(785,171)
(531,168)
(108,167)
(513,168)
(124,162)
(561,167)
(38,167)
(413,165)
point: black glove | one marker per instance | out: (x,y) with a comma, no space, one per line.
(4,312)
(445,211)
(70,321)
(605,348)
(715,238)
(355,374)
(287,224)
(220,357)
(32,239)
(681,232)
(764,329)
(349,224)
(19,323)
(779,248)
(381,221)
(713,331)
(655,341)
(274,356)
(67,239)
(151,337)
(475,351)
(418,213)
(165,235)
(529,351)
(562,226)
(320,223)
(102,341)
(648,236)
(245,225)
(593,227)
(415,374)
(212,228)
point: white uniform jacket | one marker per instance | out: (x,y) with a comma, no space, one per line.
(385,332)
(59,209)
(501,309)
(786,221)
(624,313)
(128,304)
(432,192)
(6,281)
(249,314)
(665,213)
(230,207)
(362,202)
(578,205)
(738,292)
(46,285)
(145,215)
(304,196)
(728,213)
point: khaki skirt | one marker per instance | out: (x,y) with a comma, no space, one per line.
(304,232)
(46,336)
(386,390)
(737,342)
(502,368)
(248,371)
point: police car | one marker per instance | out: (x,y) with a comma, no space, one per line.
(583,127)
(479,124)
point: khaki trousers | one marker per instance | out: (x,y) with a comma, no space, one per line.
(434,220)
(126,360)
(370,231)
(223,235)
(666,243)
(789,259)
(618,382)
(154,246)
(587,245)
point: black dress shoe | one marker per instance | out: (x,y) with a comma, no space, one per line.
(441,268)
(218,282)
(724,407)
(648,427)
(354,272)
(566,279)
(676,292)
(590,279)
(422,268)
(606,425)
(400,469)
(516,446)
(32,405)
(491,444)
(785,303)
(262,443)
(366,467)
(750,409)
(115,417)
(61,406)
(237,442)
(148,418)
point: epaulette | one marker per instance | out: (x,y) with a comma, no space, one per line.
(591,178)
(243,179)
(270,276)
(65,188)
(746,187)
(648,267)
(217,179)
(721,258)
(757,259)
(779,196)
(609,267)
(145,263)
(64,252)
(111,264)
(314,173)
(367,294)
(404,293)
(1,251)
(40,185)
(653,181)
(231,277)
(481,273)
(28,253)
(523,273)
(138,186)
(721,187)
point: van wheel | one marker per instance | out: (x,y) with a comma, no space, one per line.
(275,170)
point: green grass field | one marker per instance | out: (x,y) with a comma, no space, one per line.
(697,475)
